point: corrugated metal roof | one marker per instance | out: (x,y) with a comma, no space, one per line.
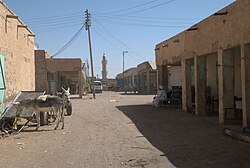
(152,64)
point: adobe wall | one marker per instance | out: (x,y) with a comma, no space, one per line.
(41,78)
(130,72)
(144,67)
(17,44)
(146,85)
(60,64)
(170,51)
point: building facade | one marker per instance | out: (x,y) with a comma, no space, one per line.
(147,77)
(16,54)
(140,79)
(131,80)
(214,56)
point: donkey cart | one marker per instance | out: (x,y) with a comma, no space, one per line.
(9,115)
(7,120)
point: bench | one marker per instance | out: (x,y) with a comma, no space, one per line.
(237,109)
(169,100)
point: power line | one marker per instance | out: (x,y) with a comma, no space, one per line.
(143,17)
(38,22)
(54,21)
(141,20)
(137,11)
(113,44)
(155,6)
(134,7)
(143,25)
(56,24)
(69,42)
(42,29)
(55,16)
(106,39)
(113,36)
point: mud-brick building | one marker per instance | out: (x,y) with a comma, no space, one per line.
(214,55)
(141,79)
(131,80)
(16,55)
(147,77)
(54,73)
(127,80)
(119,82)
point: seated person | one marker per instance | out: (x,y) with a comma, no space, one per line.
(161,96)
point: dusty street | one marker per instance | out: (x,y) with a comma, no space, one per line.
(122,131)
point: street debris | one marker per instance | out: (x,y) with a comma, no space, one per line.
(135,163)
(113,101)
(4,134)
(20,143)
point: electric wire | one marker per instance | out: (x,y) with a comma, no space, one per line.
(56,24)
(155,6)
(55,16)
(113,36)
(76,18)
(134,7)
(55,21)
(55,28)
(106,39)
(142,25)
(140,10)
(112,44)
(70,41)
(141,20)
(142,17)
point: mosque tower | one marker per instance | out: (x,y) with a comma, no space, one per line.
(104,69)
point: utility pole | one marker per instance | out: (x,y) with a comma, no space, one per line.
(123,69)
(88,24)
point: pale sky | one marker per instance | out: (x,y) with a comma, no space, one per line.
(135,26)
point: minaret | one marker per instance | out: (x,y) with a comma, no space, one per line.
(87,67)
(104,69)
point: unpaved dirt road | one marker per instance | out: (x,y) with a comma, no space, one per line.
(123,131)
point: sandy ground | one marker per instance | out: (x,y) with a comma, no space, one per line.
(123,131)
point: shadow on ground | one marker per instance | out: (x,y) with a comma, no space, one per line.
(188,141)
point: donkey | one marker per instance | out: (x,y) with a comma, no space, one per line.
(65,95)
(49,103)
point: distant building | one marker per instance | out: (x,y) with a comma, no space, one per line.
(147,77)
(131,80)
(54,73)
(141,79)
(110,84)
(119,82)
